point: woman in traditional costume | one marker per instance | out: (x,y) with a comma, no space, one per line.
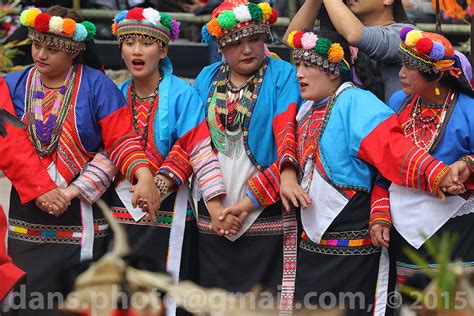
(251,102)
(434,109)
(343,133)
(169,117)
(71,112)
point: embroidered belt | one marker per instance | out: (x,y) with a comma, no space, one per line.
(267,226)
(39,233)
(347,243)
(163,218)
(406,270)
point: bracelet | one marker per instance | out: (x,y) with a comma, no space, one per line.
(161,185)
(469,162)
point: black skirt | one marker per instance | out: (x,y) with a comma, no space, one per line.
(344,269)
(150,241)
(48,248)
(256,258)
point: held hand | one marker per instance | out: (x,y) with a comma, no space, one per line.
(145,193)
(230,225)
(53,202)
(380,235)
(291,193)
(240,210)
(451,182)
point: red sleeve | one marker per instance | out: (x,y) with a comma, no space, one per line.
(264,189)
(177,165)
(122,144)
(380,206)
(399,160)
(284,129)
(19,161)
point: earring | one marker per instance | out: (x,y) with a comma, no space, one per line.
(437,90)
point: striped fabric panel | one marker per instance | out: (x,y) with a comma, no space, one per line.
(95,179)
(359,242)
(380,206)
(264,189)
(177,165)
(207,170)
(421,171)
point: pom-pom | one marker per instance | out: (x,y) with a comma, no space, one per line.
(206,37)
(413,37)
(309,40)
(81,33)
(91,30)
(266,10)
(297,39)
(69,26)
(274,16)
(227,20)
(336,53)
(322,47)
(437,51)
(166,21)
(56,24)
(291,38)
(152,15)
(120,16)
(242,13)
(114,29)
(404,31)
(175,30)
(214,28)
(31,17)
(424,46)
(135,14)
(255,12)
(23,17)
(42,22)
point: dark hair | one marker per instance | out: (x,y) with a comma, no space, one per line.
(367,69)
(87,57)
(460,84)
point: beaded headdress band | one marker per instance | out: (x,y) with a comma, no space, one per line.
(427,52)
(62,33)
(147,23)
(229,22)
(318,51)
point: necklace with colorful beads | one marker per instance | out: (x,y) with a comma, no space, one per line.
(45,135)
(419,128)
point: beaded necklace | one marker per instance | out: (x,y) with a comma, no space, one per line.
(219,101)
(45,135)
(419,128)
(153,98)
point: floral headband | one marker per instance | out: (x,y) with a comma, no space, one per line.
(230,23)
(428,52)
(62,33)
(147,23)
(318,51)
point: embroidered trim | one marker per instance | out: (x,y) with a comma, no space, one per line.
(349,243)
(39,233)
(163,218)
(267,226)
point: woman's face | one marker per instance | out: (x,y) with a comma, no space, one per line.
(142,56)
(315,83)
(50,61)
(246,55)
(413,81)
